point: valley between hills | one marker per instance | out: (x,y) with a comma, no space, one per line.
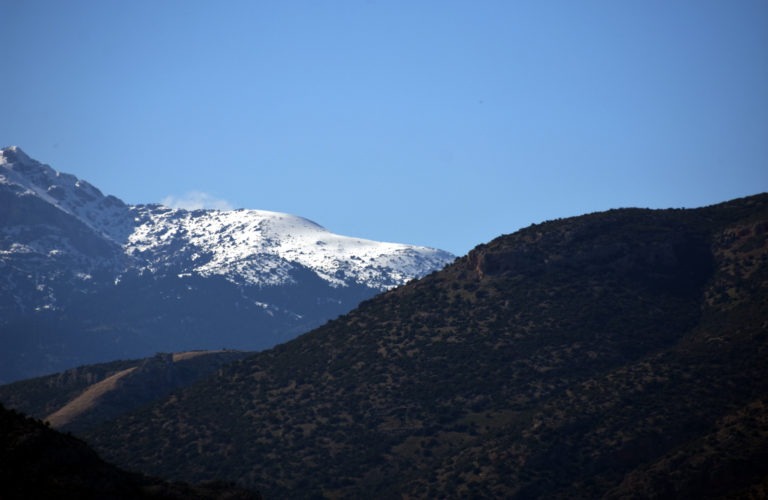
(618,354)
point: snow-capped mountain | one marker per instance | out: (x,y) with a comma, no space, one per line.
(156,272)
(257,247)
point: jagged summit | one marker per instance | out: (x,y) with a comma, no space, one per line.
(14,153)
(28,177)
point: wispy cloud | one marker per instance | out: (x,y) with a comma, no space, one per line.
(194,200)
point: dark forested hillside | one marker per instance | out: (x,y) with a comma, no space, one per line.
(619,353)
(38,462)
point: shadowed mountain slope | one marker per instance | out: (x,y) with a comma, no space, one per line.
(567,360)
(38,462)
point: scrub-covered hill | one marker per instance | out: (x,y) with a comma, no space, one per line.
(575,358)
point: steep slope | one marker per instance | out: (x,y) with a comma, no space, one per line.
(81,398)
(38,462)
(550,363)
(85,278)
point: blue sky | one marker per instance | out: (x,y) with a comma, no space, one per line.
(442,123)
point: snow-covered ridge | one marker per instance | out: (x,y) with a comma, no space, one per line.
(261,247)
(251,247)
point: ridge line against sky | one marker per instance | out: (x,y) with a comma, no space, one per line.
(442,124)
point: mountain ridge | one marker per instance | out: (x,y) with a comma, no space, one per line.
(139,228)
(90,278)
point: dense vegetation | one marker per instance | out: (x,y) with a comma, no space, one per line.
(613,353)
(38,462)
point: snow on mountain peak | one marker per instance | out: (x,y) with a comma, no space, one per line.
(128,281)
(260,247)
(251,247)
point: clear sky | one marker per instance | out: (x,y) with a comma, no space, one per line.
(442,123)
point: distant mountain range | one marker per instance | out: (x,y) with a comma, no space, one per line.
(619,354)
(87,278)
